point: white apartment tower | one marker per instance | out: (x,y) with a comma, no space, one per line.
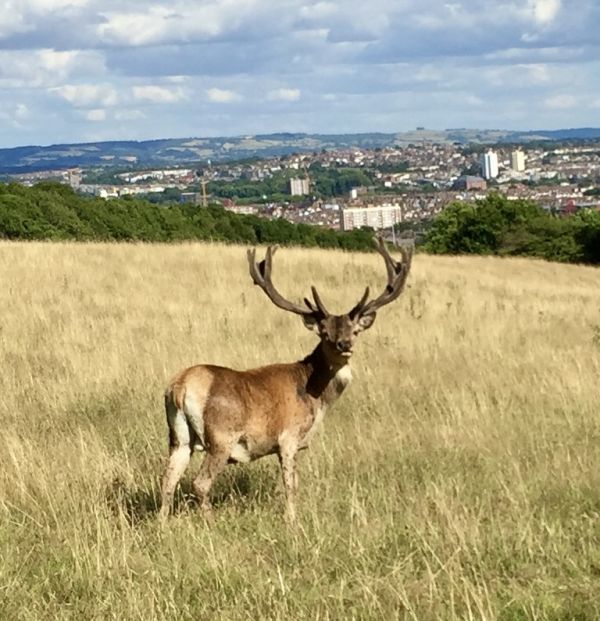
(489,165)
(299,187)
(376,216)
(517,160)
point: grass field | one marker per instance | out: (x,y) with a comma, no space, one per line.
(457,478)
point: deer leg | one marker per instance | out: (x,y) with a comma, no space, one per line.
(180,452)
(179,459)
(211,466)
(287,460)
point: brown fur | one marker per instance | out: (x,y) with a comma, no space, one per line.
(261,408)
(237,416)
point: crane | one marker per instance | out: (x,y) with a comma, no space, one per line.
(203,183)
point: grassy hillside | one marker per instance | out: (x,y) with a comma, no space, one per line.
(458,478)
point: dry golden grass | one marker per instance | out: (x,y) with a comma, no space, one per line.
(457,478)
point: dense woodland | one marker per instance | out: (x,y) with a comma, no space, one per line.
(325,183)
(54,212)
(494,225)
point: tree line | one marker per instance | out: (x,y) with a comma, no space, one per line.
(52,211)
(493,225)
(497,225)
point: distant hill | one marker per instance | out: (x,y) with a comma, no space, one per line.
(181,151)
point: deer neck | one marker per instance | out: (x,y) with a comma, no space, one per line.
(326,378)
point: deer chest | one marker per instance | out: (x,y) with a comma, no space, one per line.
(335,388)
(342,378)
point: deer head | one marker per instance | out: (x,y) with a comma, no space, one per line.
(337,332)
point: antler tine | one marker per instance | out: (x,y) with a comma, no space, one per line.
(319,302)
(391,266)
(261,275)
(407,254)
(397,274)
(359,306)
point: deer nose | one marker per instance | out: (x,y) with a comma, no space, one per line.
(344,345)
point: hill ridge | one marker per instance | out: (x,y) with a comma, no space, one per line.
(187,150)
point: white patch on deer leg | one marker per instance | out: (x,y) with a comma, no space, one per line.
(178,462)
(195,416)
(179,427)
(179,459)
(240,453)
(287,459)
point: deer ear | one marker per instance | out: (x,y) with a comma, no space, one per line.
(366,321)
(310,322)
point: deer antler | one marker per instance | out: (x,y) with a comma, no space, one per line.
(396,273)
(261,275)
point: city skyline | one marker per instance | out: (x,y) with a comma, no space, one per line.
(80,70)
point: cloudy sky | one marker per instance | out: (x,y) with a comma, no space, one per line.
(84,70)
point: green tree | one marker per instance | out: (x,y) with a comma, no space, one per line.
(496,225)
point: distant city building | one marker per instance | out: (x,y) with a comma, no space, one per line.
(489,165)
(74,176)
(517,160)
(470,182)
(242,209)
(299,187)
(145,175)
(358,191)
(376,216)
(195,198)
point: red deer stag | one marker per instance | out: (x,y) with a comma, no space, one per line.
(239,416)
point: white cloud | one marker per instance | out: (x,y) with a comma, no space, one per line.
(143,28)
(96,115)
(427,73)
(561,102)
(85,95)
(129,115)
(21,112)
(47,67)
(176,79)
(319,10)
(11,22)
(19,16)
(284,94)
(219,95)
(535,74)
(430,21)
(474,100)
(177,21)
(47,6)
(158,94)
(14,114)
(539,74)
(57,62)
(380,64)
(545,11)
